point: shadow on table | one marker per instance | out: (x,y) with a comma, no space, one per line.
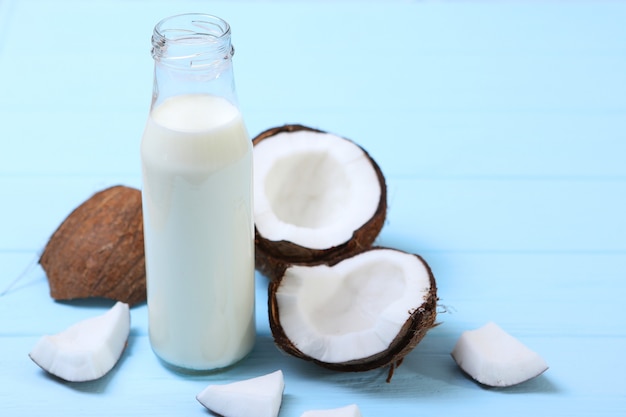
(430,371)
(427,372)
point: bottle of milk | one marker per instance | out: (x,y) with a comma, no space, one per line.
(197,200)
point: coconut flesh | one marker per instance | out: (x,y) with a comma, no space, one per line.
(317,189)
(260,396)
(88,349)
(317,197)
(493,357)
(364,312)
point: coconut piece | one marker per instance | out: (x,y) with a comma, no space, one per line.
(97,251)
(365,312)
(87,350)
(493,357)
(347,411)
(318,197)
(260,396)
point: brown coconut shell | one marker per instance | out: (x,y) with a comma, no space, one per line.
(272,257)
(417,325)
(98,251)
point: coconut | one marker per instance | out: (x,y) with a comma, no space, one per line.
(364,312)
(318,198)
(88,349)
(260,396)
(320,203)
(98,251)
(493,357)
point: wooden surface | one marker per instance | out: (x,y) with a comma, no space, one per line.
(501,130)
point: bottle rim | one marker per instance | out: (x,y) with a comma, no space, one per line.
(195,38)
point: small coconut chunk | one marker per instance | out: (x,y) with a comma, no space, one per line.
(86,350)
(493,357)
(259,397)
(347,411)
(313,188)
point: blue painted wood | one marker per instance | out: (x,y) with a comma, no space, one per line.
(500,128)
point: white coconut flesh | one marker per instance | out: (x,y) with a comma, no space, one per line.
(312,189)
(86,350)
(354,309)
(493,357)
(259,396)
(347,411)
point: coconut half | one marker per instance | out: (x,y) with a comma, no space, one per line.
(365,312)
(86,350)
(98,250)
(318,197)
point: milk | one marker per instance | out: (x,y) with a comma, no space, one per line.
(199,232)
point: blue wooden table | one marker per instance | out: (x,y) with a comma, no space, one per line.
(501,130)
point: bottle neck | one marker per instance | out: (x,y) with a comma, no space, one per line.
(192,55)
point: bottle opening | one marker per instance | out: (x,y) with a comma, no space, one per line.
(191,40)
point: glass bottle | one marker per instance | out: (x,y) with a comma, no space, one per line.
(197,199)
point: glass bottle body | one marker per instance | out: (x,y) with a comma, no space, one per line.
(197,200)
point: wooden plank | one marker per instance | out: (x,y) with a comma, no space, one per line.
(499,128)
